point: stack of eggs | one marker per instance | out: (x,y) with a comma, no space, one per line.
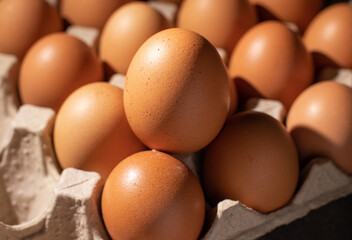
(182,97)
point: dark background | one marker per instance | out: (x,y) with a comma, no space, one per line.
(332,221)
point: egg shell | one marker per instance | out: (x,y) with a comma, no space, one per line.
(221,22)
(329,36)
(125,31)
(88,35)
(23,22)
(299,12)
(234,221)
(252,160)
(271,107)
(265,65)
(170,1)
(320,123)
(91,130)
(176,93)
(54,67)
(151,195)
(89,13)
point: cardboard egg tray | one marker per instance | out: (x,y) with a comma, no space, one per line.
(38,201)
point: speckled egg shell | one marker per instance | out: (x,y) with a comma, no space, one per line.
(177,92)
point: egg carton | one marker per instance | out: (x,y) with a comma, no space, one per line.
(38,201)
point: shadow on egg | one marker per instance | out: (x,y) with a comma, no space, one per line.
(210,216)
(309,144)
(264,14)
(245,91)
(321,61)
(108,71)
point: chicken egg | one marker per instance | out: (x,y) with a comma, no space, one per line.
(271,61)
(54,67)
(320,123)
(91,130)
(177,94)
(125,31)
(23,22)
(171,1)
(89,13)
(329,36)
(252,160)
(151,195)
(221,22)
(299,12)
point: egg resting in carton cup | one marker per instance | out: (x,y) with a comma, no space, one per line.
(225,209)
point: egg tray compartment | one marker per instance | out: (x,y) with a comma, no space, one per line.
(39,202)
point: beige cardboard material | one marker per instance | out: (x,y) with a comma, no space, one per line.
(118,80)
(9,100)
(271,107)
(341,75)
(54,3)
(168,10)
(87,34)
(35,202)
(223,54)
(28,172)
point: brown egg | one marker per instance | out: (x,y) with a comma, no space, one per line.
(221,22)
(151,195)
(89,13)
(320,123)
(253,160)
(170,1)
(91,130)
(126,30)
(299,12)
(54,67)
(177,93)
(271,61)
(23,22)
(329,36)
